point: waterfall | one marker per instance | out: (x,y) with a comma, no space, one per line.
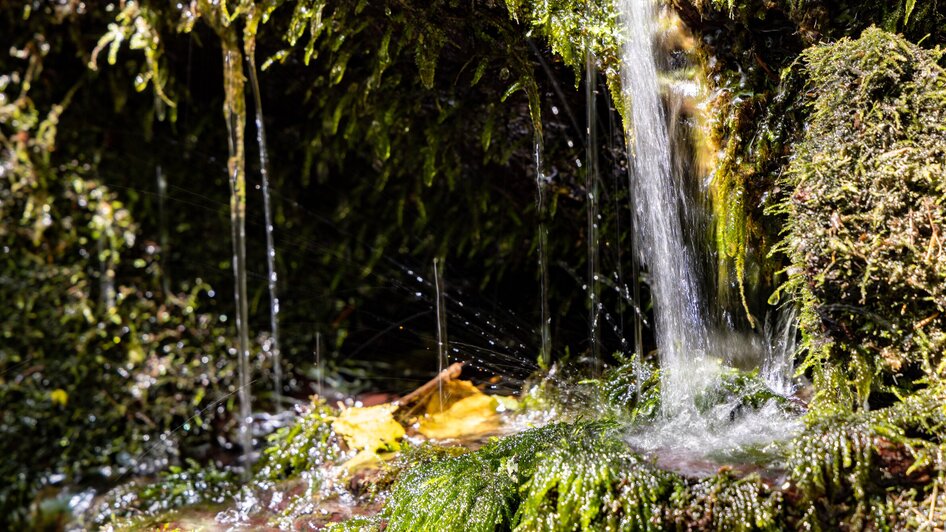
(679,310)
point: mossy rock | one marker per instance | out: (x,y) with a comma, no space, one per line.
(866,207)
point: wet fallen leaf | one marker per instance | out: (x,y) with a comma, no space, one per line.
(471,415)
(369,428)
(453,391)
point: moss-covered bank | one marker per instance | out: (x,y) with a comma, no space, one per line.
(865,207)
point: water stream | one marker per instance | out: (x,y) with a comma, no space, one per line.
(164,242)
(235,113)
(701,422)
(271,278)
(441,308)
(591,189)
(541,186)
(680,324)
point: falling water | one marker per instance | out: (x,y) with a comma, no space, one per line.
(163,223)
(235,113)
(107,269)
(780,346)
(591,189)
(250,48)
(541,186)
(680,326)
(442,346)
(318,362)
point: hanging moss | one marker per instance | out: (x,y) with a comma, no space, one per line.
(749,49)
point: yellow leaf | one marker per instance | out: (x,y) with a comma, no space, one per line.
(59,397)
(472,415)
(453,391)
(369,428)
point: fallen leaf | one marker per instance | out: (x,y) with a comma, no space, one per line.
(453,391)
(472,415)
(369,428)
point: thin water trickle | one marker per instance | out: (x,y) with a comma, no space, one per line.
(541,186)
(106,270)
(320,374)
(268,221)
(591,189)
(235,113)
(162,183)
(680,326)
(442,345)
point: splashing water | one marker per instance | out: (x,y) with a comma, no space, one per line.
(681,327)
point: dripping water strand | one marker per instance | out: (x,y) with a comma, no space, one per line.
(235,112)
(271,278)
(591,189)
(162,183)
(541,186)
(442,346)
(318,362)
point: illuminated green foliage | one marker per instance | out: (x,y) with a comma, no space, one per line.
(866,199)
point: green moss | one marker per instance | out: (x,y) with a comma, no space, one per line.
(475,491)
(355,524)
(868,469)
(134,505)
(630,390)
(865,207)
(303,446)
(592,481)
(727,502)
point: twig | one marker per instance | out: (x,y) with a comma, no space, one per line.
(449,373)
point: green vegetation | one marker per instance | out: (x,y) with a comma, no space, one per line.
(404,131)
(136,505)
(309,442)
(864,205)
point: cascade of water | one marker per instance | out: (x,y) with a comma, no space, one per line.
(591,189)
(541,186)
(680,325)
(250,48)
(235,113)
